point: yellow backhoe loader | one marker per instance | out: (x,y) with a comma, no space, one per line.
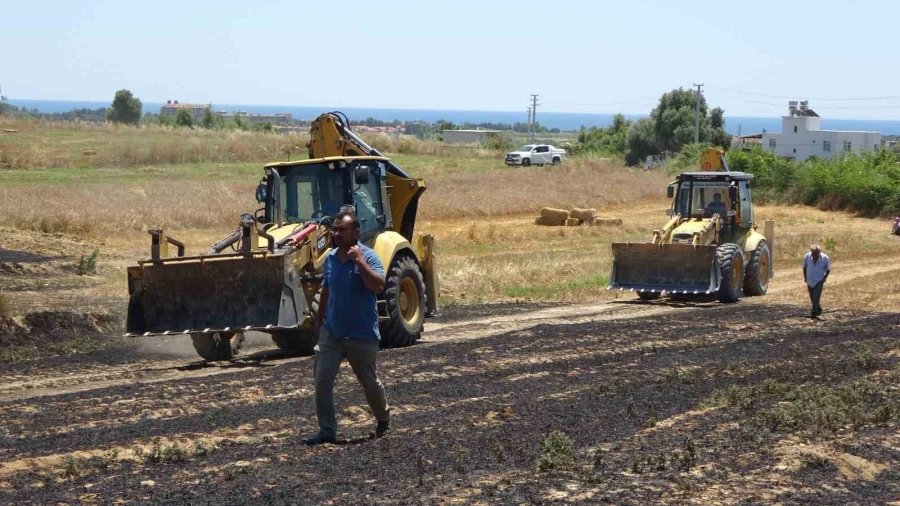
(266,275)
(710,245)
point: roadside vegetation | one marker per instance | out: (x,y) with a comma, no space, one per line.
(865,183)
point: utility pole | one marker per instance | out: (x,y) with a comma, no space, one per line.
(528,133)
(534,104)
(697,112)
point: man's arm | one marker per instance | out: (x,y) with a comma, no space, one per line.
(373,279)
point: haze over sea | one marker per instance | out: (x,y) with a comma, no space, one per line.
(562,120)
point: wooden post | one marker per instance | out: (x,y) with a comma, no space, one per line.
(770,238)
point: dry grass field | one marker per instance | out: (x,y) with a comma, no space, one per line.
(535,385)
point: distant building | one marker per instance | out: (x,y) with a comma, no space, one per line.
(802,138)
(387,129)
(172,107)
(281,118)
(469,136)
(746,142)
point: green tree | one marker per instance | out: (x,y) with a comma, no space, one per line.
(2,103)
(184,119)
(674,119)
(265,126)
(125,108)
(208,120)
(641,140)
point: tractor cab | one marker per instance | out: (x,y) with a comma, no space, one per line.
(316,190)
(699,196)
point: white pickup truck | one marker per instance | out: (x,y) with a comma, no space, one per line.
(536,154)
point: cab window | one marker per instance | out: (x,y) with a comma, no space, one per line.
(367,200)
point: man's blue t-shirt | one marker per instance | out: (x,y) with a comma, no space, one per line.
(352,310)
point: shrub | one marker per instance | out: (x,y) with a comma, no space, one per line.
(557,452)
(88,264)
(868,183)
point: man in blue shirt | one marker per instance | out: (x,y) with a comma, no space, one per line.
(816,268)
(347,325)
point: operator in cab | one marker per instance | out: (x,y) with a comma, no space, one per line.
(716,206)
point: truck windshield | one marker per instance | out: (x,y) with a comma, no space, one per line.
(527,147)
(702,199)
(309,192)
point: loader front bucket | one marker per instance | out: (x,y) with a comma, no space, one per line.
(212,293)
(665,268)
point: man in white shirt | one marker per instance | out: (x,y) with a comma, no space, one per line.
(816,268)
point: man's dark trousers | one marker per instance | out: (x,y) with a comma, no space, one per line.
(815,296)
(361,354)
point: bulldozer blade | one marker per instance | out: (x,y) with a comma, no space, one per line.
(669,268)
(211,294)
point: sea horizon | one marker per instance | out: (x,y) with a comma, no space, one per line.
(567,121)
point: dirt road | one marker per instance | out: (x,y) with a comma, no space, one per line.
(661,402)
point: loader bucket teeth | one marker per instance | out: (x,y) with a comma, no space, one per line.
(671,268)
(235,292)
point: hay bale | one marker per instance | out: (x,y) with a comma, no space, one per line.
(573,222)
(607,222)
(540,220)
(585,215)
(554,213)
(554,216)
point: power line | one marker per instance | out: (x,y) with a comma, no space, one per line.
(829,107)
(846,99)
(607,104)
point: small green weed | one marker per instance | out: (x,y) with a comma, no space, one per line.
(88,264)
(557,452)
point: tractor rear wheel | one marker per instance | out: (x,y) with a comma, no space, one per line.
(217,345)
(300,341)
(731,268)
(404,295)
(756,280)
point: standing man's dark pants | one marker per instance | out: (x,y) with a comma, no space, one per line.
(815,296)
(361,354)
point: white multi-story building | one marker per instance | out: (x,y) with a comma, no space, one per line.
(802,138)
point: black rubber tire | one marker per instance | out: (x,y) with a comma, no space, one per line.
(648,295)
(526,162)
(301,342)
(756,279)
(213,346)
(556,161)
(730,258)
(397,331)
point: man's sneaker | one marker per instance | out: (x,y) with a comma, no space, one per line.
(382,428)
(320,438)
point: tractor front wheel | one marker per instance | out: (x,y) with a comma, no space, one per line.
(731,268)
(300,341)
(404,295)
(217,345)
(756,281)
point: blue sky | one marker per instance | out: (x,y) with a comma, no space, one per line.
(580,56)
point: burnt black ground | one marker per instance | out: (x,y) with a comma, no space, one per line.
(469,417)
